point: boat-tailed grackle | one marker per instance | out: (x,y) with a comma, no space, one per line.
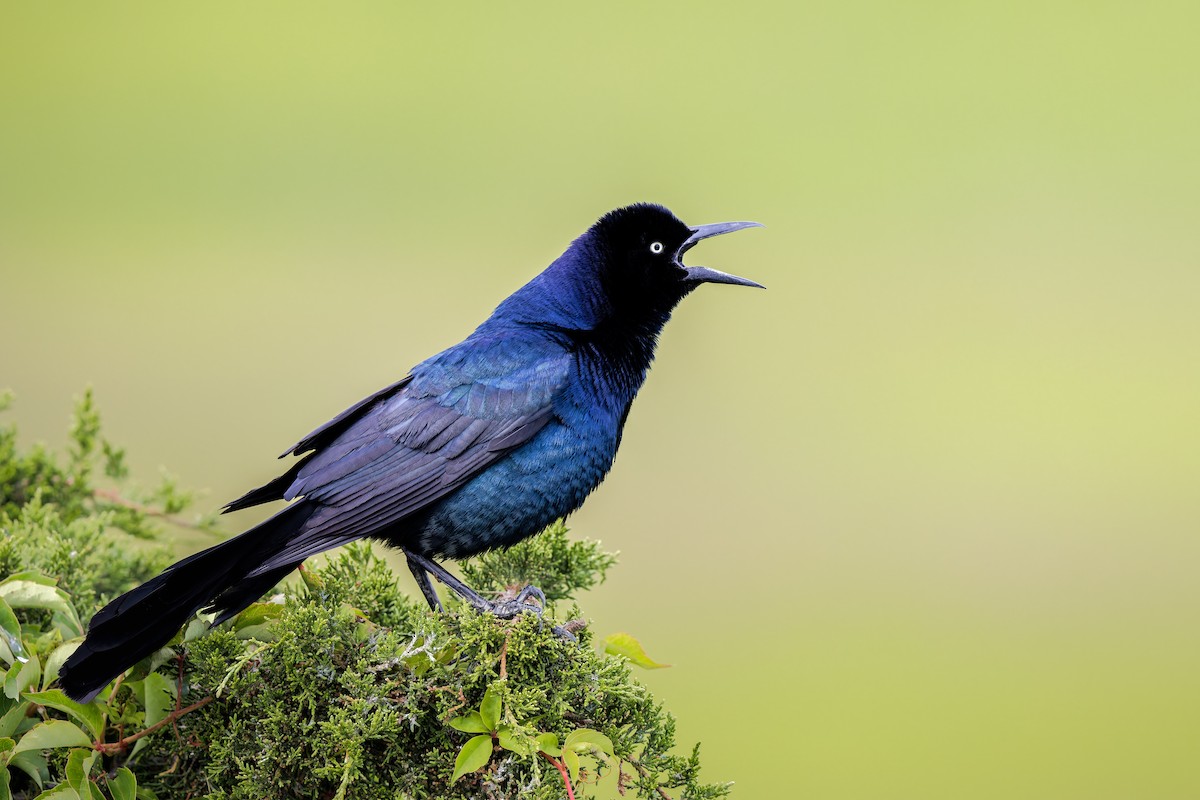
(480,446)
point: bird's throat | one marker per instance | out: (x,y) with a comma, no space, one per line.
(613,360)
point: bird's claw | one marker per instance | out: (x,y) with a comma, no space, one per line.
(509,609)
(564,634)
(532,591)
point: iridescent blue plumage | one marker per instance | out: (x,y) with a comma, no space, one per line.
(480,446)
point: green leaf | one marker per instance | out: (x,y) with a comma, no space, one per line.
(67,623)
(89,714)
(255,622)
(489,709)
(6,746)
(34,577)
(352,613)
(622,644)
(32,591)
(571,760)
(515,742)
(21,677)
(13,719)
(61,792)
(469,723)
(32,764)
(79,768)
(10,635)
(158,698)
(123,786)
(259,633)
(475,754)
(31,594)
(50,734)
(55,661)
(548,743)
(311,579)
(194,630)
(585,740)
(257,614)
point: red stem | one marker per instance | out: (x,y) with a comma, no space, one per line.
(566,778)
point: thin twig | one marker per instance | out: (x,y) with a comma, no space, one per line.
(113,496)
(111,696)
(645,773)
(178,694)
(504,657)
(112,748)
(462,698)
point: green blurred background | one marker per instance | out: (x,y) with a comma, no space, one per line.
(920,521)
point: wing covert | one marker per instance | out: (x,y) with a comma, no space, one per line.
(426,439)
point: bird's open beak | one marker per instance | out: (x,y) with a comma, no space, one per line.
(704,274)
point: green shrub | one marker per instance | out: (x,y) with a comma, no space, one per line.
(340,686)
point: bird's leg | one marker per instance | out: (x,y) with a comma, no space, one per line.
(423,581)
(416,562)
(505,609)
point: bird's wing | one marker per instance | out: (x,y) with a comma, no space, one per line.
(317,440)
(459,413)
(325,434)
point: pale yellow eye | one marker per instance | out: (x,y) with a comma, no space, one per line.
(656,247)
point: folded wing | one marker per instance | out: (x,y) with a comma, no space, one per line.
(412,444)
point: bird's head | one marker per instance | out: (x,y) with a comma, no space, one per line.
(625,273)
(641,249)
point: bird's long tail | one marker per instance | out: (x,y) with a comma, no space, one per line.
(144,619)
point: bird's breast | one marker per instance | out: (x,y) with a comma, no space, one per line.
(519,495)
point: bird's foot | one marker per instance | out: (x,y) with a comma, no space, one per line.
(503,608)
(509,608)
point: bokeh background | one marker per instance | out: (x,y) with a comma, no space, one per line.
(920,521)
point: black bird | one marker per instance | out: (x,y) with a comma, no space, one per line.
(480,446)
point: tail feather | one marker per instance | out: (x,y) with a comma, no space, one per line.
(144,619)
(269,492)
(231,601)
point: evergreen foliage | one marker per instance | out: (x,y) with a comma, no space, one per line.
(338,687)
